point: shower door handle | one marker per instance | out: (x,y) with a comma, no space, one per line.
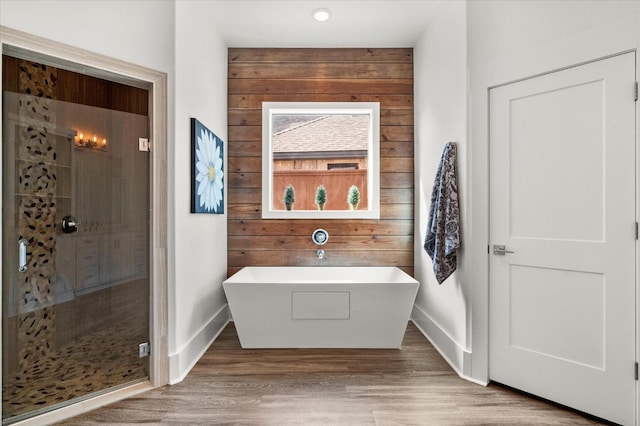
(22,255)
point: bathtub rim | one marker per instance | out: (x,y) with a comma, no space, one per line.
(333,275)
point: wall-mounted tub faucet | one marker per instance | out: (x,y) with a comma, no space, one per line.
(320,237)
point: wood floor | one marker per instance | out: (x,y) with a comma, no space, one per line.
(411,386)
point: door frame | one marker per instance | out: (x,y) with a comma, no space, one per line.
(485,77)
(158,254)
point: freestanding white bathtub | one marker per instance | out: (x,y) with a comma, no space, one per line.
(320,307)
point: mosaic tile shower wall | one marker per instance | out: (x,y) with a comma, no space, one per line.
(36,191)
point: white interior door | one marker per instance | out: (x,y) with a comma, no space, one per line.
(562,190)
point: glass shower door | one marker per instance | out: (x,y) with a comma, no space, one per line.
(75,281)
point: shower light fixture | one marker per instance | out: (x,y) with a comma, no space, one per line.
(88,142)
(321,14)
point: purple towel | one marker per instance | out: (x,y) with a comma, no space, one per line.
(443,229)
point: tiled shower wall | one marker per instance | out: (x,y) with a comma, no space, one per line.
(36,211)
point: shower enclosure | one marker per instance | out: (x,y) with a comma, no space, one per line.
(75,235)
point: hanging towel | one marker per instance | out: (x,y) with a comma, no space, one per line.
(443,228)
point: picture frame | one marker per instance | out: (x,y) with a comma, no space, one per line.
(207,170)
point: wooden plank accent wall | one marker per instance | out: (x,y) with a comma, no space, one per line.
(315,75)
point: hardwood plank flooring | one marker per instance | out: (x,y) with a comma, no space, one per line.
(411,386)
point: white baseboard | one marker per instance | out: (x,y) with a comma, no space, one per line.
(183,361)
(456,356)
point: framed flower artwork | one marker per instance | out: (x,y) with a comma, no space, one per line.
(207,174)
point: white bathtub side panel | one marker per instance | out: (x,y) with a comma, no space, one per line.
(377,314)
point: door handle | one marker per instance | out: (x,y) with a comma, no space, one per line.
(22,255)
(500,250)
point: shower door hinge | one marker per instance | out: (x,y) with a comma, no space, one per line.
(144,144)
(635,92)
(144,349)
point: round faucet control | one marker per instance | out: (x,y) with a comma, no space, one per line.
(320,237)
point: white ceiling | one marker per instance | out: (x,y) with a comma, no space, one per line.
(354,23)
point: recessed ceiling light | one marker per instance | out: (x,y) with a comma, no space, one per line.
(321,14)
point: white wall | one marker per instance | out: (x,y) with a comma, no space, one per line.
(119,29)
(469,47)
(197,304)
(440,61)
(509,41)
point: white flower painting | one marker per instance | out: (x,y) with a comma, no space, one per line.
(207,186)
